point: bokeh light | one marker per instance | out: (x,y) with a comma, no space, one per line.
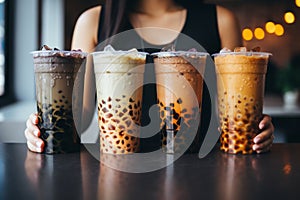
(289,17)
(247,34)
(297,2)
(270,27)
(279,30)
(259,33)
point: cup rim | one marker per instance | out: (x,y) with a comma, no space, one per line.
(119,52)
(179,53)
(248,53)
(64,52)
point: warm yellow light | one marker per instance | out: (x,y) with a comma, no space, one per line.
(259,33)
(297,2)
(247,34)
(279,30)
(289,17)
(270,27)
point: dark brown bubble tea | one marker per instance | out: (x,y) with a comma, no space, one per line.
(241,79)
(58,79)
(179,76)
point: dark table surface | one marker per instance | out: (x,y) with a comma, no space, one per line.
(273,175)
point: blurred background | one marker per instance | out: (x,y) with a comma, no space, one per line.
(274,25)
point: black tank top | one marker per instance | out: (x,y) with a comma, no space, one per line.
(200,27)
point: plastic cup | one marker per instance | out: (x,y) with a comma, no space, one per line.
(240,83)
(59,91)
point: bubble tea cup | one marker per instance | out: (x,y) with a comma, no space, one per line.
(179,77)
(59,88)
(119,83)
(240,83)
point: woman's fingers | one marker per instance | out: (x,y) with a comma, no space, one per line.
(32,133)
(264,146)
(264,140)
(34,148)
(265,122)
(32,128)
(34,119)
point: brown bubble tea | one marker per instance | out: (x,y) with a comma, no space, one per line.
(240,81)
(119,80)
(55,75)
(177,78)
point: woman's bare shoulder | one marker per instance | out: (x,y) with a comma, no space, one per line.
(86,27)
(229,28)
(92,14)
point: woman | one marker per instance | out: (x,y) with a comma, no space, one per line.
(214,27)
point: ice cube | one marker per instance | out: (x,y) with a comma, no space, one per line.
(192,50)
(109,48)
(168,48)
(45,48)
(225,50)
(134,50)
(240,49)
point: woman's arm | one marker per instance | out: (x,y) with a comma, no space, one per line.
(229,29)
(85,38)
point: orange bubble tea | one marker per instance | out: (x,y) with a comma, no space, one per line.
(240,81)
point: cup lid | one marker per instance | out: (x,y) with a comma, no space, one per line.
(61,53)
(120,52)
(247,53)
(179,53)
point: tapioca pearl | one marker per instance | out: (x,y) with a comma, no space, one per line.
(125,110)
(133,138)
(121,127)
(128,123)
(131,113)
(187,116)
(115,120)
(121,114)
(131,100)
(109,115)
(105,110)
(121,133)
(161,104)
(111,127)
(177,122)
(164,142)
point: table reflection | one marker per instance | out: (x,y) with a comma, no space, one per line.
(51,180)
(232,172)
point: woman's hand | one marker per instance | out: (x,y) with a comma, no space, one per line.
(263,141)
(32,134)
